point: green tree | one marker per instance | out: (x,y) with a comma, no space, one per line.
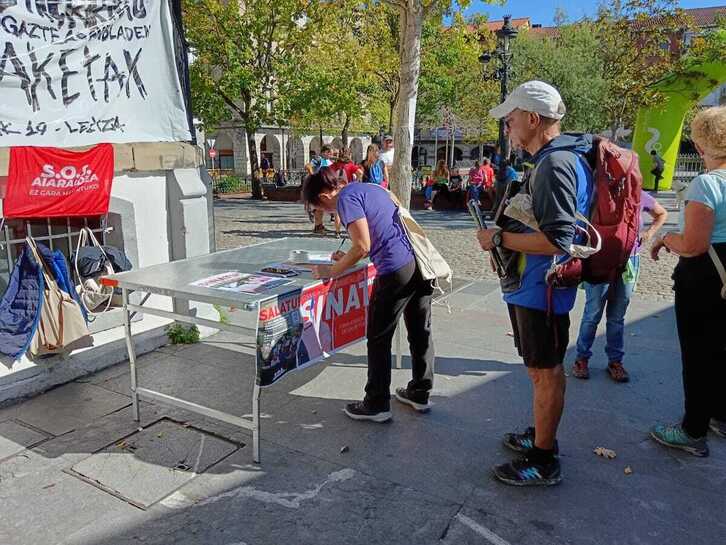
(334,86)
(569,59)
(244,53)
(451,78)
(635,38)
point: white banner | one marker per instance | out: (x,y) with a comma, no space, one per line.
(81,72)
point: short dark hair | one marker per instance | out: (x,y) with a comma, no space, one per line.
(325,179)
(325,148)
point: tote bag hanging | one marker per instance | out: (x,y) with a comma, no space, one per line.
(61,327)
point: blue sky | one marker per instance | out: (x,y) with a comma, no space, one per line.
(542,11)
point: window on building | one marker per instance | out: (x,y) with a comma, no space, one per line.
(226,159)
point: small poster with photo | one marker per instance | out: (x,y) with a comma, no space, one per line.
(241,282)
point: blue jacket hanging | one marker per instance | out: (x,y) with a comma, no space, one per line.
(21,303)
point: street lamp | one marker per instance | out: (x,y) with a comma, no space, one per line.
(502,72)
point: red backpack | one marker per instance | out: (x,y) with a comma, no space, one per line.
(615,212)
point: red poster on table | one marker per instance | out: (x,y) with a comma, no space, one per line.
(51,182)
(302,327)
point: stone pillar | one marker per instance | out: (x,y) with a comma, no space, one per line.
(188,221)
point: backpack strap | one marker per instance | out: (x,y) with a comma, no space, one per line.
(719,267)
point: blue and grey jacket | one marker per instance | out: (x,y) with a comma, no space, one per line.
(560,184)
(23,299)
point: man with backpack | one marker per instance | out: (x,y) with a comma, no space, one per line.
(559,186)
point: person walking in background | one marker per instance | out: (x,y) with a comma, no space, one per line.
(345,163)
(349,171)
(614,300)
(505,176)
(488,185)
(476,182)
(701,292)
(658,168)
(371,217)
(317,162)
(374,169)
(387,157)
(439,180)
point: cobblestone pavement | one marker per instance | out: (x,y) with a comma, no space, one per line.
(241,221)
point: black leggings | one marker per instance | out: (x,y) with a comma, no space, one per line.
(701,320)
(403,291)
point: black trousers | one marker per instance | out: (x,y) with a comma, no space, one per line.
(403,291)
(701,321)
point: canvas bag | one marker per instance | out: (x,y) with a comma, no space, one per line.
(92,294)
(430,262)
(61,327)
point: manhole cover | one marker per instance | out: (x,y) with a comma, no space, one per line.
(148,465)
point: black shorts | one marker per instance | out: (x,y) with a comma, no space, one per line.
(541,343)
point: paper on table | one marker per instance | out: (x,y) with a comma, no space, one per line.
(241,282)
(300,257)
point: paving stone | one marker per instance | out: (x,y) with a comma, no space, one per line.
(16,437)
(151,464)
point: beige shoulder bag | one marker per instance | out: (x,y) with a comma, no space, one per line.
(62,327)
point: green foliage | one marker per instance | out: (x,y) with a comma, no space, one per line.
(244,53)
(570,61)
(182,334)
(223,314)
(451,78)
(231,184)
(634,38)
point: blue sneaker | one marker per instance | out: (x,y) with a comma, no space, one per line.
(528,472)
(676,437)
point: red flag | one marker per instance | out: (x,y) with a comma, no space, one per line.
(51,182)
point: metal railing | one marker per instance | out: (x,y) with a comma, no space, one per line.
(688,166)
(56,233)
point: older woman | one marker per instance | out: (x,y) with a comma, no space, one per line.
(700,308)
(370,215)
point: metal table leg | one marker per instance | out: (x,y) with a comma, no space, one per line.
(131,352)
(256,423)
(399,356)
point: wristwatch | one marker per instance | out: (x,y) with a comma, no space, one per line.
(497,239)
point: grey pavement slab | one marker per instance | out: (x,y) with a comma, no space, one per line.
(148,465)
(419,479)
(325,504)
(67,407)
(41,504)
(15,437)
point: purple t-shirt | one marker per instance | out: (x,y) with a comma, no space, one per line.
(390,247)
(647,203)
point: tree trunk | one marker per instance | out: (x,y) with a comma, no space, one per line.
(411,23)
(321,139)
(344,132)
(254,164)
(391,110)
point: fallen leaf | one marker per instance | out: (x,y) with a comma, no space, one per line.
(628,470)
(605,452)
(344,449)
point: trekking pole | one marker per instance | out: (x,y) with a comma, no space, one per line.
(476,213)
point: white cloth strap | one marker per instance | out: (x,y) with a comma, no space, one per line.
(720,268)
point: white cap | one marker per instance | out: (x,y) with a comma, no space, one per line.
(532,96)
